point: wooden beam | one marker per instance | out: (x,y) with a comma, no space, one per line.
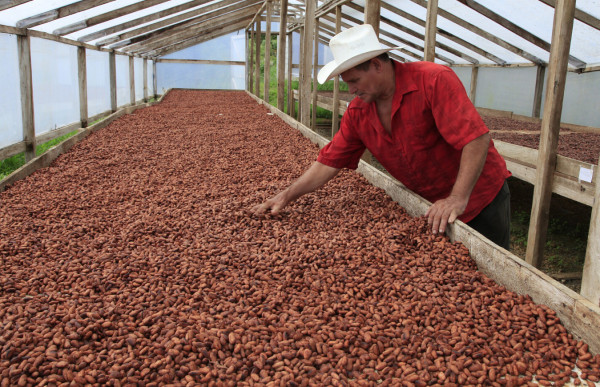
(257,15)
(60,12)
(267,66)
(6,4)
(26,85)
(146,19)
(82,77)
(479,31)
(251,60)
(417,35)
(538,91)
(188,30)
(145,80)
(112,76)
(590,283)
(583,17)
(98,19)
(430,30)
(60,39)
(305,74)
(168,27)
(281,45)
(290,98)
(315,92)
(154,78)
(546,164)
(474,78)
(335,121)
(12,30)
(373,13)
(521,32)
(131,81)
(204,61)
(258,38)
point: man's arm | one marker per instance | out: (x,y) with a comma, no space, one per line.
(316,176)
(472,160)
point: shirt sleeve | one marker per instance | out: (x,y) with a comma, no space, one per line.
(345,149)
(455,115)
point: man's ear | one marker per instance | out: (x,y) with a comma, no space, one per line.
(377,64)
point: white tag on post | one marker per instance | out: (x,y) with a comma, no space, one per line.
(586,174)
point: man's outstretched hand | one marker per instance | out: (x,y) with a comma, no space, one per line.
(445,211)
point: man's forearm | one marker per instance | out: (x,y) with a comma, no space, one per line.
(316,176)
(471,164)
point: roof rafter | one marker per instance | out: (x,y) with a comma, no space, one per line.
(60,12)
(192,31)
(6,4)
(478,31)
(141,20)
(209,35)
(523,33)
(160,26)
(95,20)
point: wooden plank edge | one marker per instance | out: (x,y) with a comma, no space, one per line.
(578,315)
(51,154)
(523,118)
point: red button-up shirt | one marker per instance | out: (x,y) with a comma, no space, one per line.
(432,120)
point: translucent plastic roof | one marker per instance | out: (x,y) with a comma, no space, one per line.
(485,32)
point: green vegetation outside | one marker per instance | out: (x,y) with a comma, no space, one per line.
(11,164)
(322,114)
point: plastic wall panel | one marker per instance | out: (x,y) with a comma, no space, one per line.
(98,82)
(55,84)
(581,105)
(510,89)
(199,76)
(216,49)
(11,124)
(464,74)
(122,68)
(138,71)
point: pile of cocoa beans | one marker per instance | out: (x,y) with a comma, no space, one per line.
(134,259)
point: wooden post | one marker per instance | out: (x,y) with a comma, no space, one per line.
(307,58)
(82,77)
(546,163)
(251,60)
(290,91)
(372,14)
(257,59)
(539,87)
(430,30)
(283,5)
(131,81)
(590,283)
(301,66)
(313,124)
(24,52)
(112,75)
(154,79)
(267,75)
(474,77)
(335,123)
(145,79)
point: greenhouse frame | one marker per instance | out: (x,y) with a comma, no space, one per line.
(76,66)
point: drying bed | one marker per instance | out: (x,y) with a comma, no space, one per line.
(134,259)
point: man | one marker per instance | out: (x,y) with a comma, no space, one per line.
(418,122)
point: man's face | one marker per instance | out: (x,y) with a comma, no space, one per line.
(361,83)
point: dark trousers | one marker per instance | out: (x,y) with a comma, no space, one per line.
(494,220)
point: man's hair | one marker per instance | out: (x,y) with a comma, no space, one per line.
(365,65)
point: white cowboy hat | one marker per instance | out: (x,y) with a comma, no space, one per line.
(350,48)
